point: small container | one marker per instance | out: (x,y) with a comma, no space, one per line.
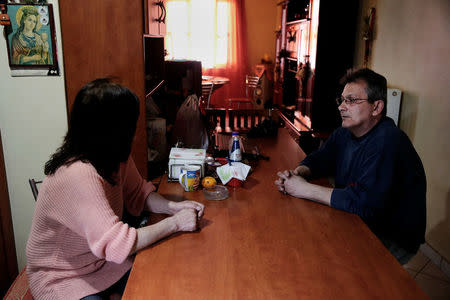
(235,149)
(218,192)
(234,182)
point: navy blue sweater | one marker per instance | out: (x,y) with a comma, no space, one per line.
(379,177)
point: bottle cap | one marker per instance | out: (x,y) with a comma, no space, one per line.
(235,133)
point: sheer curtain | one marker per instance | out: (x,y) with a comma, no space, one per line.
(212,31)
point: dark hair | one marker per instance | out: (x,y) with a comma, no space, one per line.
(376,84)
(102,125)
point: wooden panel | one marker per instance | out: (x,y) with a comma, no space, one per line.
(261,244)
(105,38)
(8,259)
(156,15)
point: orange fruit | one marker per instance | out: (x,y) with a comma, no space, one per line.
(208,182)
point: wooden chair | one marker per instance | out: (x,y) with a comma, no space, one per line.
(33,185)
(207,90)
(247,102)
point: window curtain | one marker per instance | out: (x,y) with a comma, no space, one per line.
(214,32)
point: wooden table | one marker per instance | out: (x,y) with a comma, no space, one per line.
(218,81)
(261,244)
(210,84)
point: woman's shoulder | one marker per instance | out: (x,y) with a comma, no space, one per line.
(77,171)
(72,179)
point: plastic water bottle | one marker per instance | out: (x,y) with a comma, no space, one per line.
(235,149)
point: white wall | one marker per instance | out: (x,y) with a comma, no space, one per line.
(261,27)
(33,122)
(412,49)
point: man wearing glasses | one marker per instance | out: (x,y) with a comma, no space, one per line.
(378,174)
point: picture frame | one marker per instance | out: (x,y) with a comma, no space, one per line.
(31,40)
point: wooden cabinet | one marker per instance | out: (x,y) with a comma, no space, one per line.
(314,49)
(155,20)
(95,46)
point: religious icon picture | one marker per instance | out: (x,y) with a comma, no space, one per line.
(31,38)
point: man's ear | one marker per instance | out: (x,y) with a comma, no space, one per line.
(377,107)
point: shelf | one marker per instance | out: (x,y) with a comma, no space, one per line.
(316,39)
(298,21)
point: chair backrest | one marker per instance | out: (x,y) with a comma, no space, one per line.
(207,90)
(251,82)
(33,185)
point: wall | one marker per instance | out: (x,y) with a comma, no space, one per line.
(261,18)
(412,49)
(33,122)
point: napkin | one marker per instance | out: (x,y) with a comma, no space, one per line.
(237,170)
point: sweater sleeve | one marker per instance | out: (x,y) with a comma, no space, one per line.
(86,201)
(322,162)
(366,192)
(135,189)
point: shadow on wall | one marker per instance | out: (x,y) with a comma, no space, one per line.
(408,114)
(438,237)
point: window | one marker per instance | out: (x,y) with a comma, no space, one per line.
(199,30)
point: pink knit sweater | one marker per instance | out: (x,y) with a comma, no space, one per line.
(78,246)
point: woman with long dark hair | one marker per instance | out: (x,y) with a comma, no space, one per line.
(79,247)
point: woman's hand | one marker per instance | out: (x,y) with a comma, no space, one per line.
(199,208)
(158,204)
(186,220)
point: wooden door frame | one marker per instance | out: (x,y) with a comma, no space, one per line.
(8,258)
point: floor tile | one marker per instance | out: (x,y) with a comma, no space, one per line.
(411,272)
(434,271)
(431,254)
(445,267)
(434,288)
(417,262)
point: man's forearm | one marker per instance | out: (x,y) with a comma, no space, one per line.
(318,194)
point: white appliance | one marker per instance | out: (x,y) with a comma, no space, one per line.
(180,157)
(394,99)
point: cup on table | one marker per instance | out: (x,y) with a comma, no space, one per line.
(190,178)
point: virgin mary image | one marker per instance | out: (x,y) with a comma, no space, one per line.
(28,46)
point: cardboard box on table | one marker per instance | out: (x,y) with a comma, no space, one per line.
(180,157)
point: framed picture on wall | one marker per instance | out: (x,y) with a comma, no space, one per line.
(31,39)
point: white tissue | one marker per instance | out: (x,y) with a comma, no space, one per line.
(236,170)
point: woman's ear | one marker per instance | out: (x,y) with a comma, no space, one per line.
(378,106)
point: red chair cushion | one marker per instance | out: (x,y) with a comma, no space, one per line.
(19,289)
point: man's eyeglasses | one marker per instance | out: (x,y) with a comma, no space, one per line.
(349,101)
